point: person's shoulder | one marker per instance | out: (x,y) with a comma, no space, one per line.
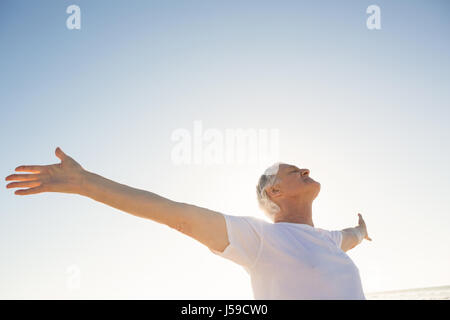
(324,231)
(321,230)
(252,220)
(334,235)
(256,219)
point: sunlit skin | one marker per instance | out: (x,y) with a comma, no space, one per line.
(294,191)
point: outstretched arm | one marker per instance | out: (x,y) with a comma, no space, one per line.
(204,225)
(351,237)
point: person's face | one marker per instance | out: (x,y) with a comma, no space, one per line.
(293,182)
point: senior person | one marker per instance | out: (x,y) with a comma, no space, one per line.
(288,258)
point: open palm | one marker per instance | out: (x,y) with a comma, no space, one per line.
(63,177)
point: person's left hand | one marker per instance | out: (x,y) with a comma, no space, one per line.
(363,227)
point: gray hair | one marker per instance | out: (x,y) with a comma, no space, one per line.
(268,179)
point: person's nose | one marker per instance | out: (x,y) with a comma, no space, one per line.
(305,172)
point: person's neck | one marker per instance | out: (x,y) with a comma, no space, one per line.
(298,212)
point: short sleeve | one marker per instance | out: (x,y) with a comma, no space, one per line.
(245,240)
(334,235)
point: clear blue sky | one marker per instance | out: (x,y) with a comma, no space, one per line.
(366,111)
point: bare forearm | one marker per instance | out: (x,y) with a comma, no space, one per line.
(134,201)
(351,237)
(68,176)
(204,225)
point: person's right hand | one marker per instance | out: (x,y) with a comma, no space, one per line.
(66,177)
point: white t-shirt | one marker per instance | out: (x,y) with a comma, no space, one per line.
(291,260)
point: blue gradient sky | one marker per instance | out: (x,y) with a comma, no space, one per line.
(366,111)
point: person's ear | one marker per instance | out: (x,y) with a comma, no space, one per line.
(274,191)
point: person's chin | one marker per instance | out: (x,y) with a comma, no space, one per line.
(315,183)
(317,188)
